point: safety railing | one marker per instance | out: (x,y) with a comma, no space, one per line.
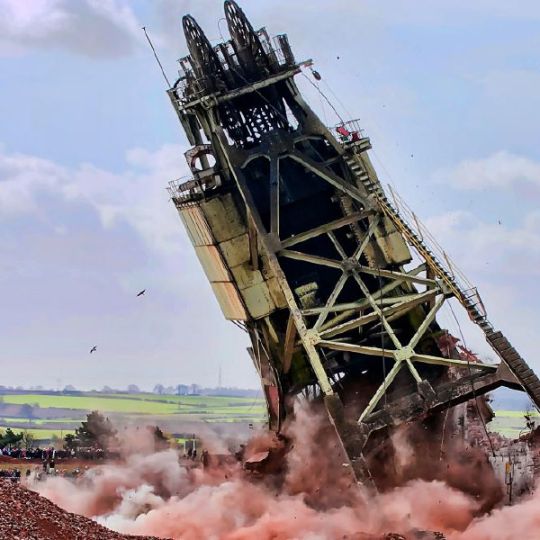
(347,132)
(184,192)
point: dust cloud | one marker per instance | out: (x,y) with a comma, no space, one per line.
(312,498)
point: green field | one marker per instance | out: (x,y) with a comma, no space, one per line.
(43,434)
(8,420)
(142,408)
(166,410)
(193,400)
(140,403)
(510,423)
(88,403)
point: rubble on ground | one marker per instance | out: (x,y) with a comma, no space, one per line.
(25,515)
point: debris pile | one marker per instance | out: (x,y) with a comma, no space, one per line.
(25,515)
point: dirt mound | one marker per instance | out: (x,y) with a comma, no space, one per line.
(24,515)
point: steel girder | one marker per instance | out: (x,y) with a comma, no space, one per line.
(318,332)
(377,312)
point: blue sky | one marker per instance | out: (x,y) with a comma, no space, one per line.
(448,91)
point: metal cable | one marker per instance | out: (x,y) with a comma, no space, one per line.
(156,57)
(257,397)
(382,336)
(241,326)
(337,99)
(472,381)
(444,426)
(324,96)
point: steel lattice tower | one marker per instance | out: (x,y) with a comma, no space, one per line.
(304,250)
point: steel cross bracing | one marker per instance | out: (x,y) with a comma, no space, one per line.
(367,307)
(475,309)
(318,332)
(403,355)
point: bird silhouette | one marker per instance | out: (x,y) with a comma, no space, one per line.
(93,349)
(141,293)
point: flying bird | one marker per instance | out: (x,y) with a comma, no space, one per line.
(141,293)
(93,349)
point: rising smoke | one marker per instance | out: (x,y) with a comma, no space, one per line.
(152,493)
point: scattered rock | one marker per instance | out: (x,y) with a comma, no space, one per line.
(24,515)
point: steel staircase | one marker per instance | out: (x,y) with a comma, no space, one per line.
(467,296)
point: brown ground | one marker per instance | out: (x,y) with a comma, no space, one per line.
(24,515)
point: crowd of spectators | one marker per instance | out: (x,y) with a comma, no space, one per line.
(45,454)
(10,474)
(48,459)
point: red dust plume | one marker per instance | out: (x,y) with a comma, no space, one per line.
(152,493)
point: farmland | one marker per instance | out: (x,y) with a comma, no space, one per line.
(510,423)
(56,414)
(49,414)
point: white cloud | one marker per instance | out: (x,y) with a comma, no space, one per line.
(96,28)
(476,244)
(501,170)
(136,196)
(503,262)
(77,244)
(21,177)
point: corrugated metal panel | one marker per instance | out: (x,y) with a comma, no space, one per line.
(212,263)
(229,301)
(196,226)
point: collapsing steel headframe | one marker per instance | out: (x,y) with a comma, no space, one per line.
(304,250)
